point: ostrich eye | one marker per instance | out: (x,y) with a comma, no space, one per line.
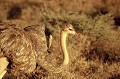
(71,29)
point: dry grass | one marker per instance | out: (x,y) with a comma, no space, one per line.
(96,44)
(94,53)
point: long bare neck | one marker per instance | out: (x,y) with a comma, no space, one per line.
(63,47)
(53,68)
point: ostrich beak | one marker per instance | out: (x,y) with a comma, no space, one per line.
(75,33)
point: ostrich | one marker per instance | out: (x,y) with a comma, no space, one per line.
(25,48)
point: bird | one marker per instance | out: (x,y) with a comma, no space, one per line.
(22,49)
(42,57)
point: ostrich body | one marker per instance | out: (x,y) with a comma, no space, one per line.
(16,46)
(25,48)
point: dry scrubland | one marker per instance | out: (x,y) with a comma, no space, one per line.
(94,52)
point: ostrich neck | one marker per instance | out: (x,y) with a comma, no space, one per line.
(63,47)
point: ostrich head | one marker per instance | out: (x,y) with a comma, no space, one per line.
(68,29)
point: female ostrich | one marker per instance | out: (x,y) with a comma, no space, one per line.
(22,49)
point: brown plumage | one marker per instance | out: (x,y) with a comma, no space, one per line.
(16,45)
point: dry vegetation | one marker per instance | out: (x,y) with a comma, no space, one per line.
(94,53)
